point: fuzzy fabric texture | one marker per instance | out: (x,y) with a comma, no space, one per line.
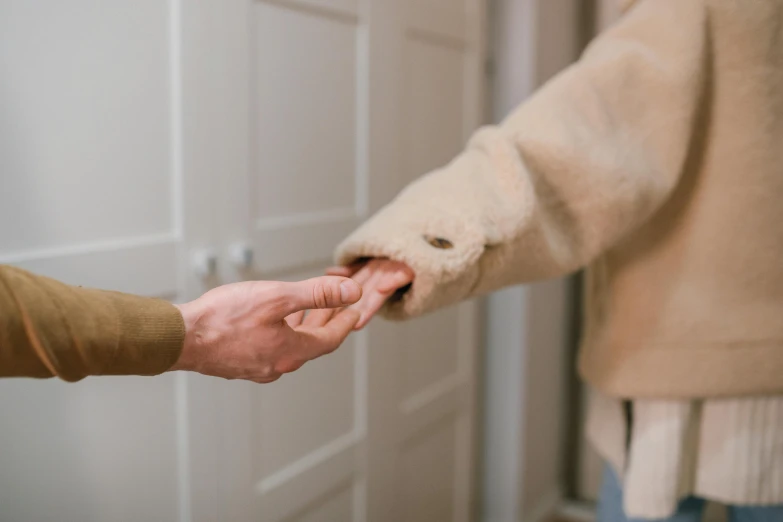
(657,159)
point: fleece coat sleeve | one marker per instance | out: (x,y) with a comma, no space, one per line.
(578,166)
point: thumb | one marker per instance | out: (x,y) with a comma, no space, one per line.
(321,292)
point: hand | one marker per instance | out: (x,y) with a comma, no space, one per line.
(257,331)
(380,279)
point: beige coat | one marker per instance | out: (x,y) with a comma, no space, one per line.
(657,160)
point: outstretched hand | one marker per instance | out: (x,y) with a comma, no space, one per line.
(257,330)
(380,279)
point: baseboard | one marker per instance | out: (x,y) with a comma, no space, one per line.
(543,511)
(546,507)
(575,511)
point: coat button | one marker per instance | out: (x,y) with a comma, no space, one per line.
(439,242)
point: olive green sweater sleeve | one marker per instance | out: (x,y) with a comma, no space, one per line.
(49,329)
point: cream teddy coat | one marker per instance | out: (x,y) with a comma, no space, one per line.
(657,161)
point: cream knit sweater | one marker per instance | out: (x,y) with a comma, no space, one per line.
(728,450)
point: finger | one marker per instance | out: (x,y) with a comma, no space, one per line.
(341,271)
(319,317)
(372,300)
(365,273)
(345,271)
(295,319)
(319,292)
(370,307)
(317,341)
(395,279)
(380,287)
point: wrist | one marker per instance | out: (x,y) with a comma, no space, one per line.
(188,356)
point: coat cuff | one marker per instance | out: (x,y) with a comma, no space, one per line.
(441,249)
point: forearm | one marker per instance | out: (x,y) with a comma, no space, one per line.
(51,329)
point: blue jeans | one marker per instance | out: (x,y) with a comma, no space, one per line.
(610,507)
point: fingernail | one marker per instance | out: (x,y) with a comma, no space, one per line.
(349,292)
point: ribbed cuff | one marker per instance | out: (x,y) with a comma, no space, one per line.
(151,333)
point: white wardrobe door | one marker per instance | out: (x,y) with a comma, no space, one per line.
(90,194)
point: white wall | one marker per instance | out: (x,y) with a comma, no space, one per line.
(526,327)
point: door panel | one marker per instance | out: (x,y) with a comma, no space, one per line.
(86,157)
(73,107)
(292,449)
(442,19)
(90,193)
(321,415)
(102,450)
(316,452)
(306,178)
(429,351)
(338,506)
(433,103)
(427,473)
(335,7)
(427,418)
(306,113)
(428,415)
(304,191)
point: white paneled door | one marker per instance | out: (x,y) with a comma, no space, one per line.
(139,140)
(90,192)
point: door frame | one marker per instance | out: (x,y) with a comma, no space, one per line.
(529,369)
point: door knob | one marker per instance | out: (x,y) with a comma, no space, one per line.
(242,256)
(204,263)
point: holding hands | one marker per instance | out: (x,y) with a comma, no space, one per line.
(380,279)
(259,330)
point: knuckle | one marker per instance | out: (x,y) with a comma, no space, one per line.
(266,371)
(323,295)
